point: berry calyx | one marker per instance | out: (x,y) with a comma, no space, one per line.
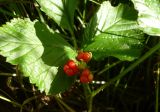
(84,56)
(70,68)
(86,76)
(82,65)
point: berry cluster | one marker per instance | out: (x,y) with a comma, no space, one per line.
(86,76)
(72,67)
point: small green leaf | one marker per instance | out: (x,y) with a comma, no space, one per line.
(61,11)
(89,32)
(37,50)
(117,34)
(148,16)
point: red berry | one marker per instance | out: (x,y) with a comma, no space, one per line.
(86,72)
(83,79)
(70,72)
(66,67)
(86,76)
(87,56)
(70,68)
(80,56)
(84,56)
(71,64)
(90,78)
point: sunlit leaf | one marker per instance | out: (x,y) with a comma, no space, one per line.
(117,34)
(61,11)
(148,16)
(37,51)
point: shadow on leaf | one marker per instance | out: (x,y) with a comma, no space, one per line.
(56,52)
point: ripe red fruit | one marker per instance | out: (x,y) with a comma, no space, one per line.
(86,76)
(84,56)
(70,68)
(87,56)
(90,78)
(71,64)
(80,56)
(86,72)
(83,79)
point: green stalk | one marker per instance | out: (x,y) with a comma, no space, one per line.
(23,8)
(10,101)
(131,67)
(28,100)
(74,39)
(89,97)
(64,104)
(61,106)
(39,13)
(107,68)
(6,94)
(90,103)
(7,74)
(84,11)
(7,12)
(94,2)
(157,89)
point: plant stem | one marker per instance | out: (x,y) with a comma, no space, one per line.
(24,9)
(61,106)
(131,67)
(157,89)
(74,39)
(39,13)
(7,74)
(8,100)
(28,100)
(107,68)
(95,2)
(89,97)
(64,104)
(90,103)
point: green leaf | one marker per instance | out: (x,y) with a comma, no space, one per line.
(148,16)
(37,51)
(61,11)
(89,32)
(117,34)
(61,82)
